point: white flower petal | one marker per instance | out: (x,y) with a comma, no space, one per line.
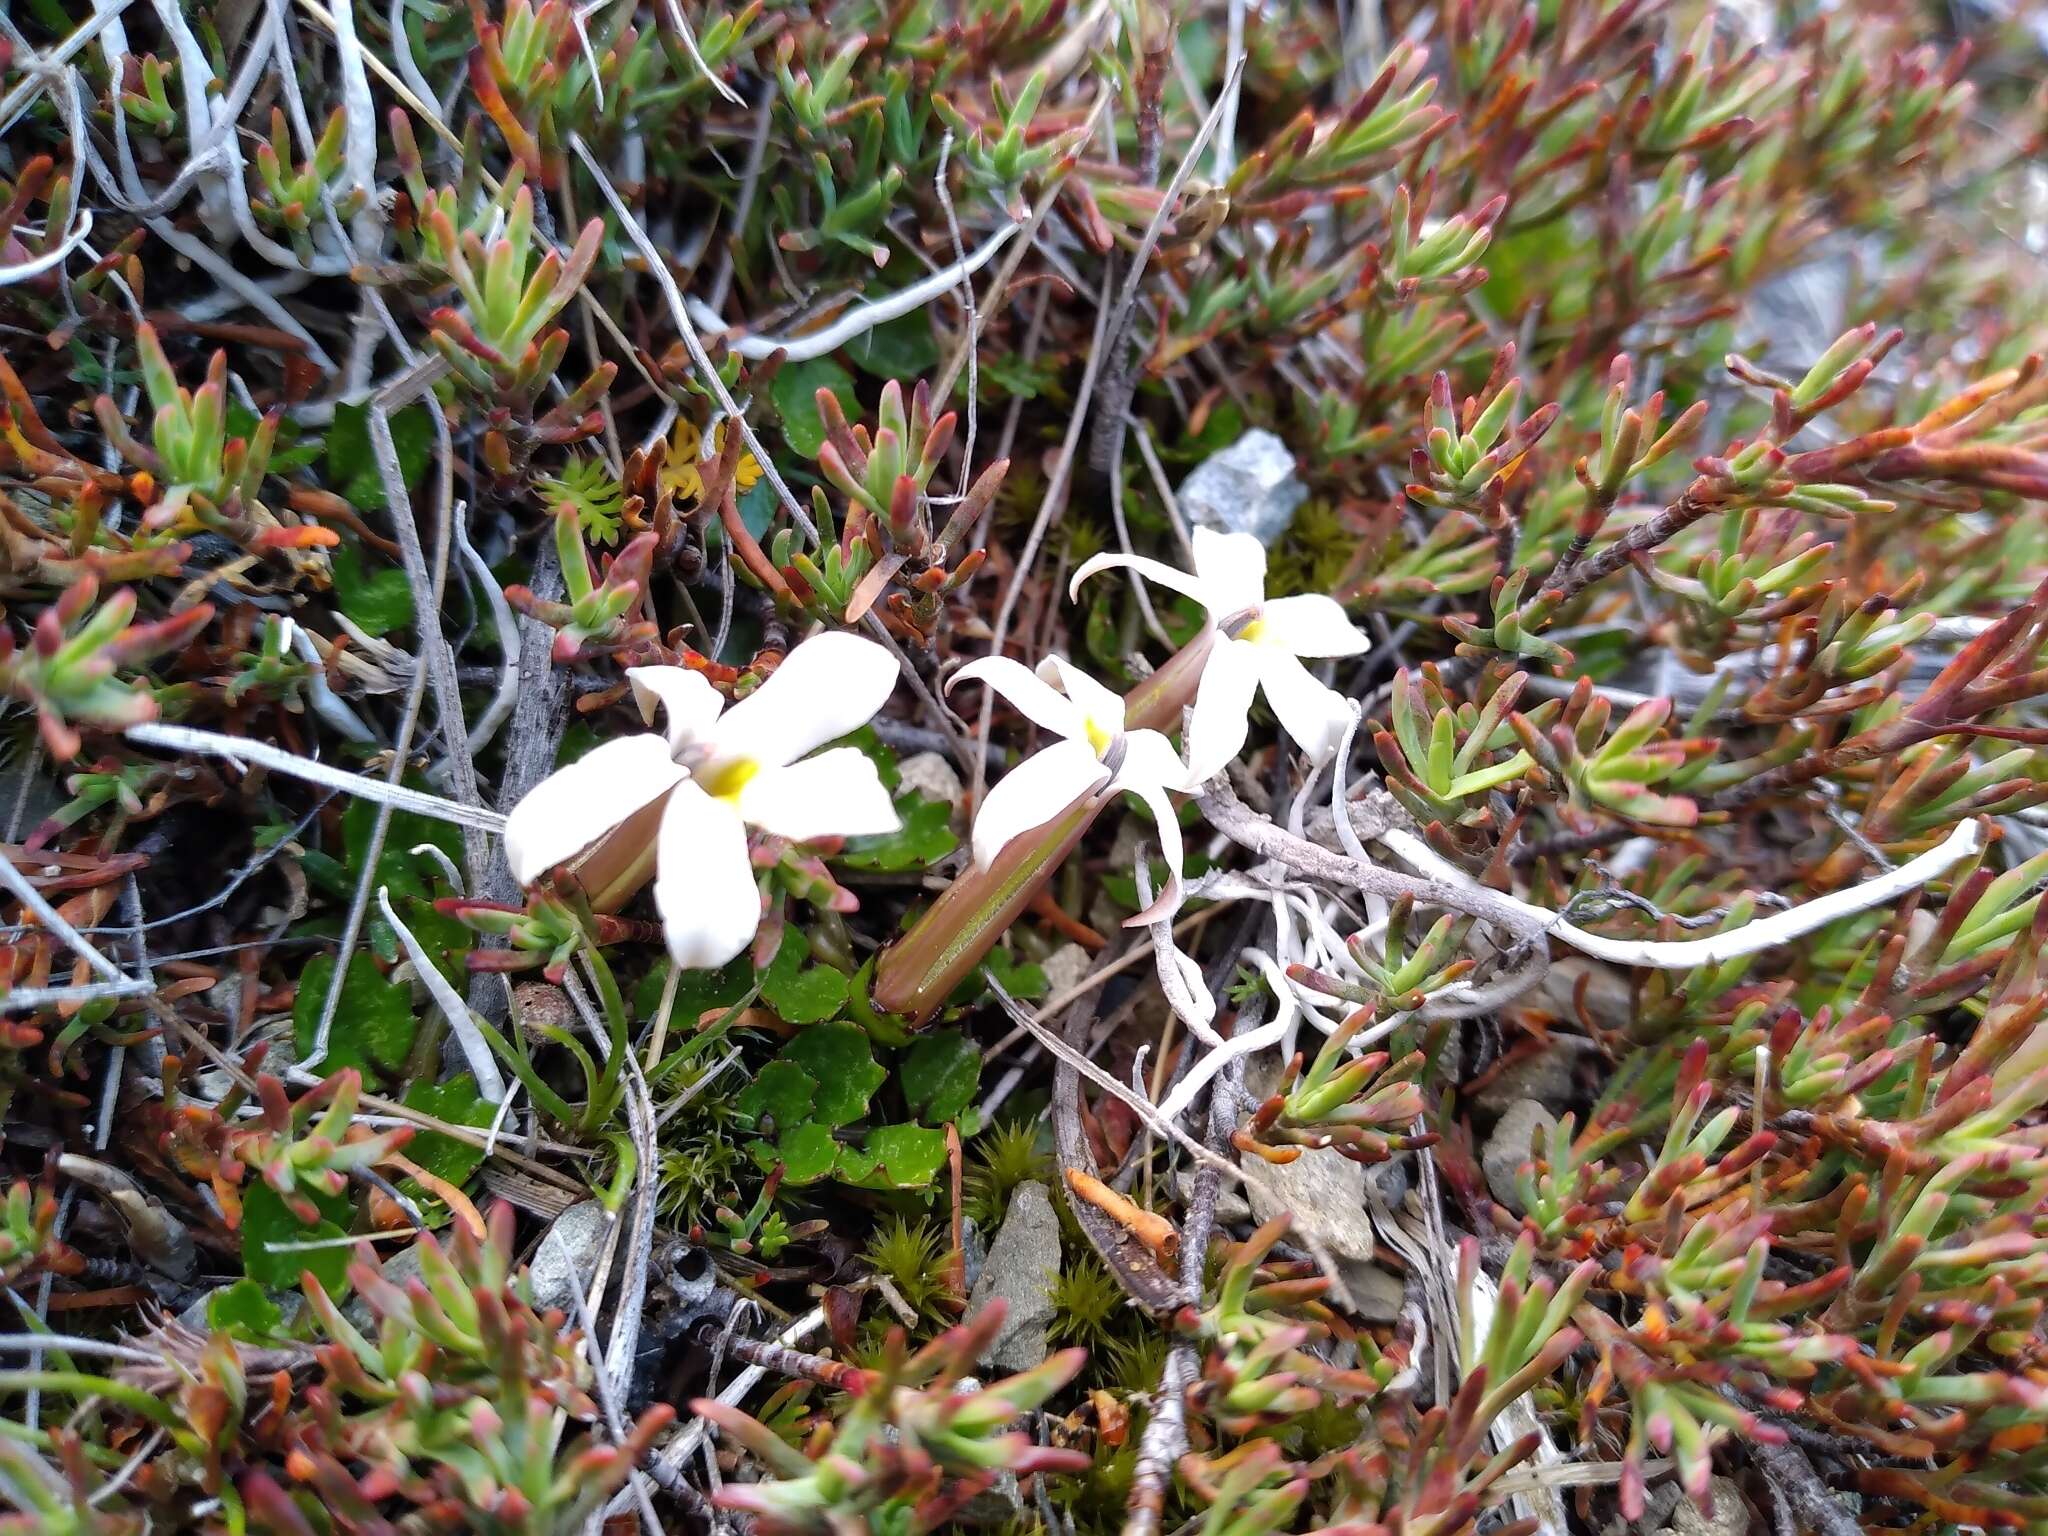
(1032,793)
(1149,758)
(835,794)
(687,697)
(1315,716)
(1099,706)
(1223,707)
(1034,698)
(705,891)
(575,806)
(831,684)
(1310,625)
(1232,567)
(1152,570)
(1168,900)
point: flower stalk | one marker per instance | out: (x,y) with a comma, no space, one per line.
(922,969)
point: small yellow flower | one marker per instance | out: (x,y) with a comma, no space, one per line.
(683,473)
(748,474)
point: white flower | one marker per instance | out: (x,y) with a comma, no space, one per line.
(1095,753)
(1259,644)
(691,795)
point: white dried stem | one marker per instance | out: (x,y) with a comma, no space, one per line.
(860,318)
(1714,948)
(483,1065)
(243,752)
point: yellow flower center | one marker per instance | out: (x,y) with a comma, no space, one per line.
(1252,630)
(1098,738)
(724,781)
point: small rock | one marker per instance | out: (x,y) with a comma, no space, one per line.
(930,775)
(570,1248)
(1023,1262)
(402,1266)
(225,997)
(1508,1148)
(1250,487)
(1063,968)
(283,1055)
(538,1005)
(1548,1074)
(1608,999)
(1658,1502)
(1324,1192)
(973,1251)
(1730,1516)
(1390,1181)
(1232,1210)
(1001,1503)
(1375,1293)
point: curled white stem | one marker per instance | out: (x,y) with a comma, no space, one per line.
(325,702)
(483,1066)
(35,266)
(1714,948)
(861,318)
(1249,1043)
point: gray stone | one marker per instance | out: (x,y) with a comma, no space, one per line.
(1730,1516)
(1023,1262)
(1508,1148)
(1324,1192)
(1607,997)
(1249,487)
(1548,1074)
(1328,1199)
(402,1266)
(973,1251)
(1375,1293)
(1001,1503)
(1658,1502)
(1063,968)
(283,1055)
(930,775)
(1231,1208)
(570,1248)
(1390,1181)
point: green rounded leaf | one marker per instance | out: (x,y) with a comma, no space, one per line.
(795,392)
(779,1097)
(373,1023)
(838,1057)
(939,1075)
(267,1222)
